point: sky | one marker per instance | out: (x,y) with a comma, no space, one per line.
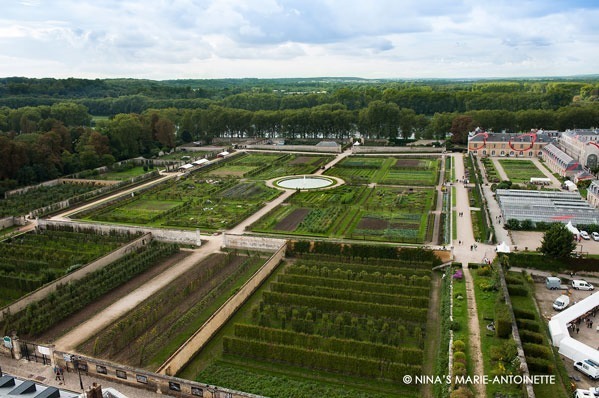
(203,39)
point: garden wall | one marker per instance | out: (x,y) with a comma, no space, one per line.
(164,235)
(394,149)
(203,335)
(11,221)
(103,261)
(298,148)
(139,378)
(252,243)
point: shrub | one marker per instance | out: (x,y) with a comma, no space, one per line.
(517,290)
(459,345)
(459,356)
(536,350)
(530,337)
(462,392)
(523,314)
(529,325)
(455,326)
(503,322)
(539,365)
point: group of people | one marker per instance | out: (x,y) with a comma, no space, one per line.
(585,319)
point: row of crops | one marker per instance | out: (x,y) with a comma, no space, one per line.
(149,333)
(33,259)
(17,205)
(362,320)
(73,296)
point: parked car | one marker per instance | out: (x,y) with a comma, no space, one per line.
(580,284)
(584,235)
(595,236)
(561,302)
(580,393)
(588,367)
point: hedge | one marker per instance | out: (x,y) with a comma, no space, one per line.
(314,359)
(529,325)
(531,337)
(516,290)
(524,314)
(537,350)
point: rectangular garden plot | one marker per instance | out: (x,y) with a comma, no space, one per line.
(151,332)
(392,214)
(520,171)
(336,325)
(192,202)
(388,170)
(33,259)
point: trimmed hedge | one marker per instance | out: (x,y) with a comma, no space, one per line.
(531,337)
(541,262)
(524,314)
(529,325)
(516,290)
(536,350)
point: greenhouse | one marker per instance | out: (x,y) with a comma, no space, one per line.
(546,206)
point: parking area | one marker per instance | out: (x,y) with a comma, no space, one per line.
(527,240)
(586,335)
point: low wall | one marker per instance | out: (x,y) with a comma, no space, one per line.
(252,243)
(296,148)
(103,261)
(395,149)
(164,235)
(142,379)
(203,335)
(11,222)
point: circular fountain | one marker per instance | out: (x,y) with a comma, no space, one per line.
(306,182)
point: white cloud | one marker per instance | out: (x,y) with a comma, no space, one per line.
(165,39)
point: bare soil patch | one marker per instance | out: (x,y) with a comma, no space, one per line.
(292,220)
(407,163)
(301,160)
(228,173)
(373,223)
(108,299)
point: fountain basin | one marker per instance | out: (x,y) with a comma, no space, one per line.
(304,182)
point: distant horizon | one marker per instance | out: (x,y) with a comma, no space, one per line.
(270,39)
(358,78)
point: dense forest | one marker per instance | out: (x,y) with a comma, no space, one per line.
(51,127)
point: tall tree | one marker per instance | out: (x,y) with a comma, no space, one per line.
(558,241)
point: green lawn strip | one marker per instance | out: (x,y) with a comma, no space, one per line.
(520,171)
(485,307)
(121,175)
(176,342)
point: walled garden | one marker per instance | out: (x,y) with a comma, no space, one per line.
(33,259)
(338,325)
(148,334)
(520,171)
(383,213)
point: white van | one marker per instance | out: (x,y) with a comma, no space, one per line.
(579,393)
(582,285)
(561,302)
(588,367)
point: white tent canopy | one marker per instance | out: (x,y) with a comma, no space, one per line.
(560,335)
(502,248)
(572,228)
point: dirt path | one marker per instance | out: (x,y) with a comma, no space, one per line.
(502,175)
(466,253)
(87,329)
(432,342)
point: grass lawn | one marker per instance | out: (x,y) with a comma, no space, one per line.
(122,175)
(520,171)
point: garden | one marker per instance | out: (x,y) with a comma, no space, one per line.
(382,213)
(194,201)
(540,356)
(265,166)
(35,258)
(338,324)
(20,204)
(75,295)
(388,170)
(148,334)
(520,171)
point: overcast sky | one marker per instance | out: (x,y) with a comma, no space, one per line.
(170,39)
